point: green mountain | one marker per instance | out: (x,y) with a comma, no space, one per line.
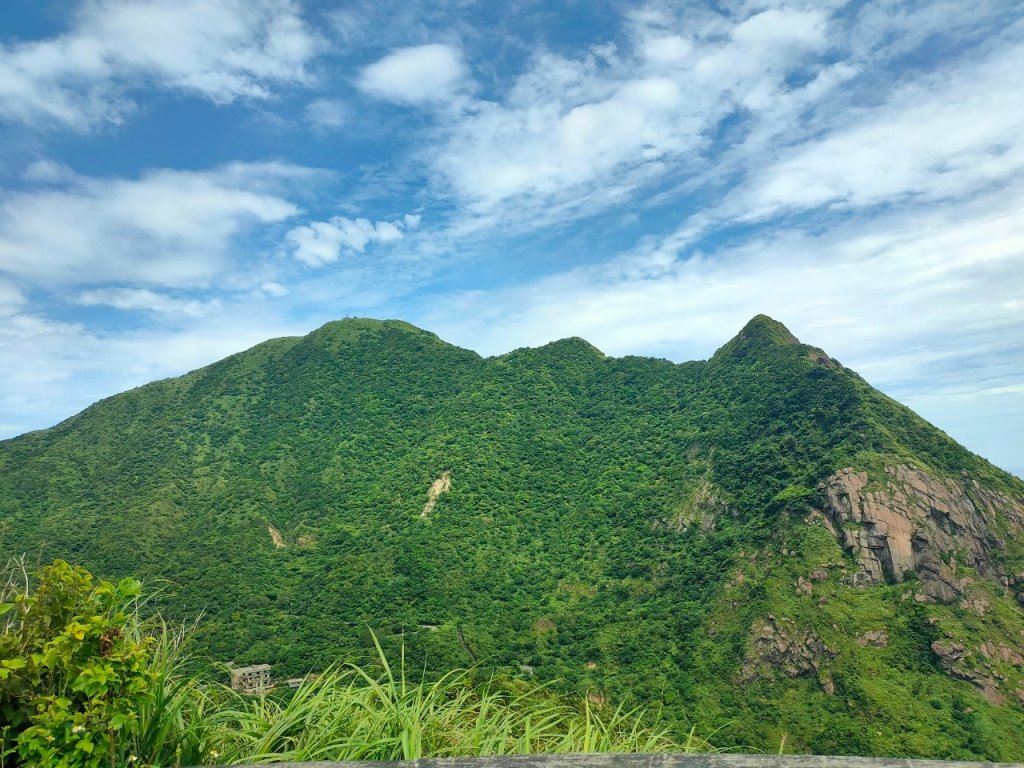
(760,542)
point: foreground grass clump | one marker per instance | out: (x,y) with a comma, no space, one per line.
(85,683)
(350,713)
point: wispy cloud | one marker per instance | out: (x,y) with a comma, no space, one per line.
(145,299)
(167,227)
(326,114)
(694,100)
(573,134)
(944,136)
(11,298)
(220,50)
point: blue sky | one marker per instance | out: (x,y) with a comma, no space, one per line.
(182,179)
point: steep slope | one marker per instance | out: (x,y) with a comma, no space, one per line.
(760,539)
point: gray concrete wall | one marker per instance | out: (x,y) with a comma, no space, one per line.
(655,761)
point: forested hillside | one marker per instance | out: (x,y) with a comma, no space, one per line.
(760,541)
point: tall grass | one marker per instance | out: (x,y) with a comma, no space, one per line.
(174,725)
(171,716)
(354,712)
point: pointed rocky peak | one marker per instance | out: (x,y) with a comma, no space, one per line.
(762,334)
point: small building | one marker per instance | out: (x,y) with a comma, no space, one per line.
(295,682)
(252,679)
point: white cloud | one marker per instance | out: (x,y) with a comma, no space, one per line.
(576,134)
(271,288)
(145,299)
(896,27)
(946,137)
(419,75)
(323,242)
(48,172)
(694,99)
(221,50)
(761,49)
(326,114)
(170,228)
(10,299)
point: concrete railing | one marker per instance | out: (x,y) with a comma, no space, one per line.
(713,760)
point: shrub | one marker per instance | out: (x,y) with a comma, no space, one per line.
(73,674)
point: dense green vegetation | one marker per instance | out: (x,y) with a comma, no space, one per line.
(85,683)
(611,525)
(71,678)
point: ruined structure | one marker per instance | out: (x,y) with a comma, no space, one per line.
(253,679)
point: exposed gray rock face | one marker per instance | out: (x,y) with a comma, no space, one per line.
(1001,652)
(778,646)
(1017,582)
(954,659)
(917,522)
(876,638)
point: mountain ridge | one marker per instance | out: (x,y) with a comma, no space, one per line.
(689,535)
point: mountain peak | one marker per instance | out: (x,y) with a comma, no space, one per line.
(574,344)
(350,330)
(760,334)
(768,328)
(361,324)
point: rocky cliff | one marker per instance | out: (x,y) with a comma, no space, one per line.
(914,522)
